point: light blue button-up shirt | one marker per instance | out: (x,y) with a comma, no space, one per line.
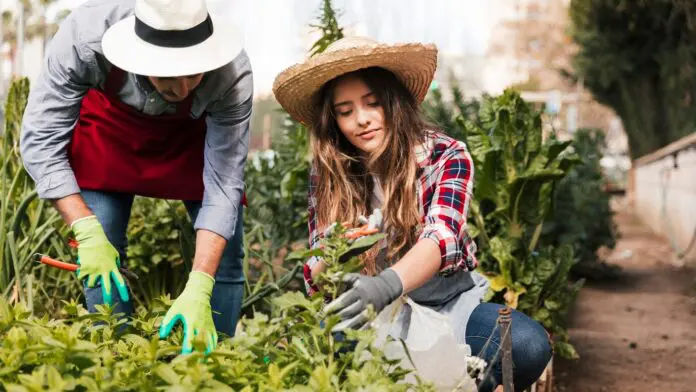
(74,63)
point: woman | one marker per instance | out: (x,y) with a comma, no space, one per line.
(372,149)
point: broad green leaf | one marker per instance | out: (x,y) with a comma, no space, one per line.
(497,282)
(552,305)
(565,350)
(542,315)
(322,378)
(167,374)
(303,254)
(555,148)
(486,178)
(292,299)
(502,251)
(360,246)
(547,174)
(287,184)
(545,268)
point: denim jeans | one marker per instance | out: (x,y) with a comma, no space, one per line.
(113,212)
(531,349)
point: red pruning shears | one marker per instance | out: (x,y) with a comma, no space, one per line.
(43,259)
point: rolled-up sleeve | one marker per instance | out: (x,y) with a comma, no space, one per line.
(53,108)
(445,222)
(226,148)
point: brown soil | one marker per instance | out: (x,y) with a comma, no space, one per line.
(637,333)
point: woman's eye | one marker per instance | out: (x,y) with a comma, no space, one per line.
(373,104)
(346,113)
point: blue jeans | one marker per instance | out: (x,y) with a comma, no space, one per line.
(113,212)
(531,349)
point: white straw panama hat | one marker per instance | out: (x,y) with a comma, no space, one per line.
(168,38)
(295,88)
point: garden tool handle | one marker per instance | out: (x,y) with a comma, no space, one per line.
(38,257)
(55,263)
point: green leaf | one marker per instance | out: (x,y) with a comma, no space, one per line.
(565,350)
(555,148)
(360,246)
(303,254)
(292,299)
(167,374)
(542,315)
(552,305)
(502,251)
(287,184)
(497,283)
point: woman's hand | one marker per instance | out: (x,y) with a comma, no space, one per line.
(378,291)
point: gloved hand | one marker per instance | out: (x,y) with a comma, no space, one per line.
(192,308)
(378,291)
(98,259)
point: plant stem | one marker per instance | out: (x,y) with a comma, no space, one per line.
(535,237)
(478,221)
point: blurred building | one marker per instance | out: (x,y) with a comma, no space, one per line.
(528,44)
(530,50)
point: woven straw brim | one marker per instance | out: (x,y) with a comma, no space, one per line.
(413,64)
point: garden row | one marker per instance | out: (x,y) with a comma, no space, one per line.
(537,214)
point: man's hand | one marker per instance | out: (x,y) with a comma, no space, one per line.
(192,308)
(98,259)
(378,291)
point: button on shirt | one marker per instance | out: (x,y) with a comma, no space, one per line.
(74,63)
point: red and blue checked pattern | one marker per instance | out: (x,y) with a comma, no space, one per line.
(446,178)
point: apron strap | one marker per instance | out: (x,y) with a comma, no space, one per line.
(183,109)
(114,81)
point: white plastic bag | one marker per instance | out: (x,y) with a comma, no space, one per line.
(436,355)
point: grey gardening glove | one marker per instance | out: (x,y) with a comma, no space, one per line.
(378,291)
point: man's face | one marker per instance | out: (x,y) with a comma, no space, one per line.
(176,89)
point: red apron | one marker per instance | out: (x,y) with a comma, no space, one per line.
(117,148)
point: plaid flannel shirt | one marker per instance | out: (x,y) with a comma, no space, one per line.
(446,178)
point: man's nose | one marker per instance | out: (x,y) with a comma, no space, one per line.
(181,88)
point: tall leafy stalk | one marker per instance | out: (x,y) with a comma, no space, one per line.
(27,225)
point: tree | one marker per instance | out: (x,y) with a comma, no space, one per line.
(638,57)
(35,22)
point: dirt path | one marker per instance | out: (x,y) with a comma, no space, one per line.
(639,333)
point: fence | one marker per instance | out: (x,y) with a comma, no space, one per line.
(662,191)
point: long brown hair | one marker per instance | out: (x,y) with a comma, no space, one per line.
(345,185)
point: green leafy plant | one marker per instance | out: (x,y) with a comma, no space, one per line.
(583,216)
(292,347)
(516,175)
(160,251)
(27,225)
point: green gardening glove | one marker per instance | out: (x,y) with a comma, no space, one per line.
(98,259)
(192,308)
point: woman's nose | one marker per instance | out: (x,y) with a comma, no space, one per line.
(363,117)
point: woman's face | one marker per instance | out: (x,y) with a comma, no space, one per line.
(359,114)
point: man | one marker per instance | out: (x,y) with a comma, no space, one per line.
(151,98)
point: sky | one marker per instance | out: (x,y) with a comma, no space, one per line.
(277,32)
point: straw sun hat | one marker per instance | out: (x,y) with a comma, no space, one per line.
(413,64)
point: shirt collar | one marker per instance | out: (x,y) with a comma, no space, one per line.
(424,151)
